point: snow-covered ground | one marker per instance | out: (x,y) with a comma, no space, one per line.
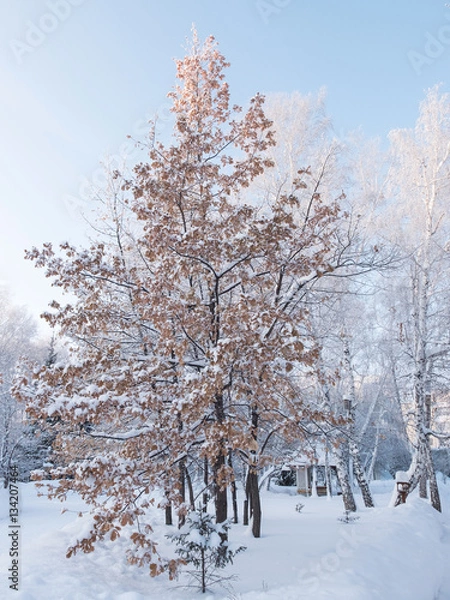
(398,553)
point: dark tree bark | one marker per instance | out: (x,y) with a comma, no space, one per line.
(206,484)
(168,514)
(233,491)
(168,510)
(182,483)
(219,478)
(246,515)
(220,490)
(255,502)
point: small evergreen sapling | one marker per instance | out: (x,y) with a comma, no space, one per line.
(200,544)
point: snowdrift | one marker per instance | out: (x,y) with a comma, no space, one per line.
(388,553)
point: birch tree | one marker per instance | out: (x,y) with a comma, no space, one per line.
(420,182)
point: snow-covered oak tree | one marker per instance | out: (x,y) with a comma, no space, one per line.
(190,333)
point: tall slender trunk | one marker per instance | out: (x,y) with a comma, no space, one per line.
(361,477)
(423,366)
(168,509)
(328,471)
(220,482)
(422,468)
(203,569)
(353,445)
(344,477)
(168,513)
(423,485)
(398,402)
(255,499)
(182,485)
(434,490)
(220,489)
(233,490)
(219,472)
(314,481)
(245,514)
(206,484)
(373,459)
(190,489)
(422,396)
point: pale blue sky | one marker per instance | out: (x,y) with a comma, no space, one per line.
(79,75)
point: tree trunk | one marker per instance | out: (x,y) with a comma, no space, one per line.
(206,484)
(424,468)
(423,465)
(220,499)
(168,513)
(234,502)
(423,492)
(203,569)
(190,490)
(246,515)
(182,484)
(233,491)
(357,468)
(328,472)
(220,490)
(373,459)
(434,491)
(254,500)
(344,478)
(422,372)
(252,479)
(219,479)
(360,476)
(314,481)
(245,518)
(219,468)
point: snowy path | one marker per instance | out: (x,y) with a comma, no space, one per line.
(389,554)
